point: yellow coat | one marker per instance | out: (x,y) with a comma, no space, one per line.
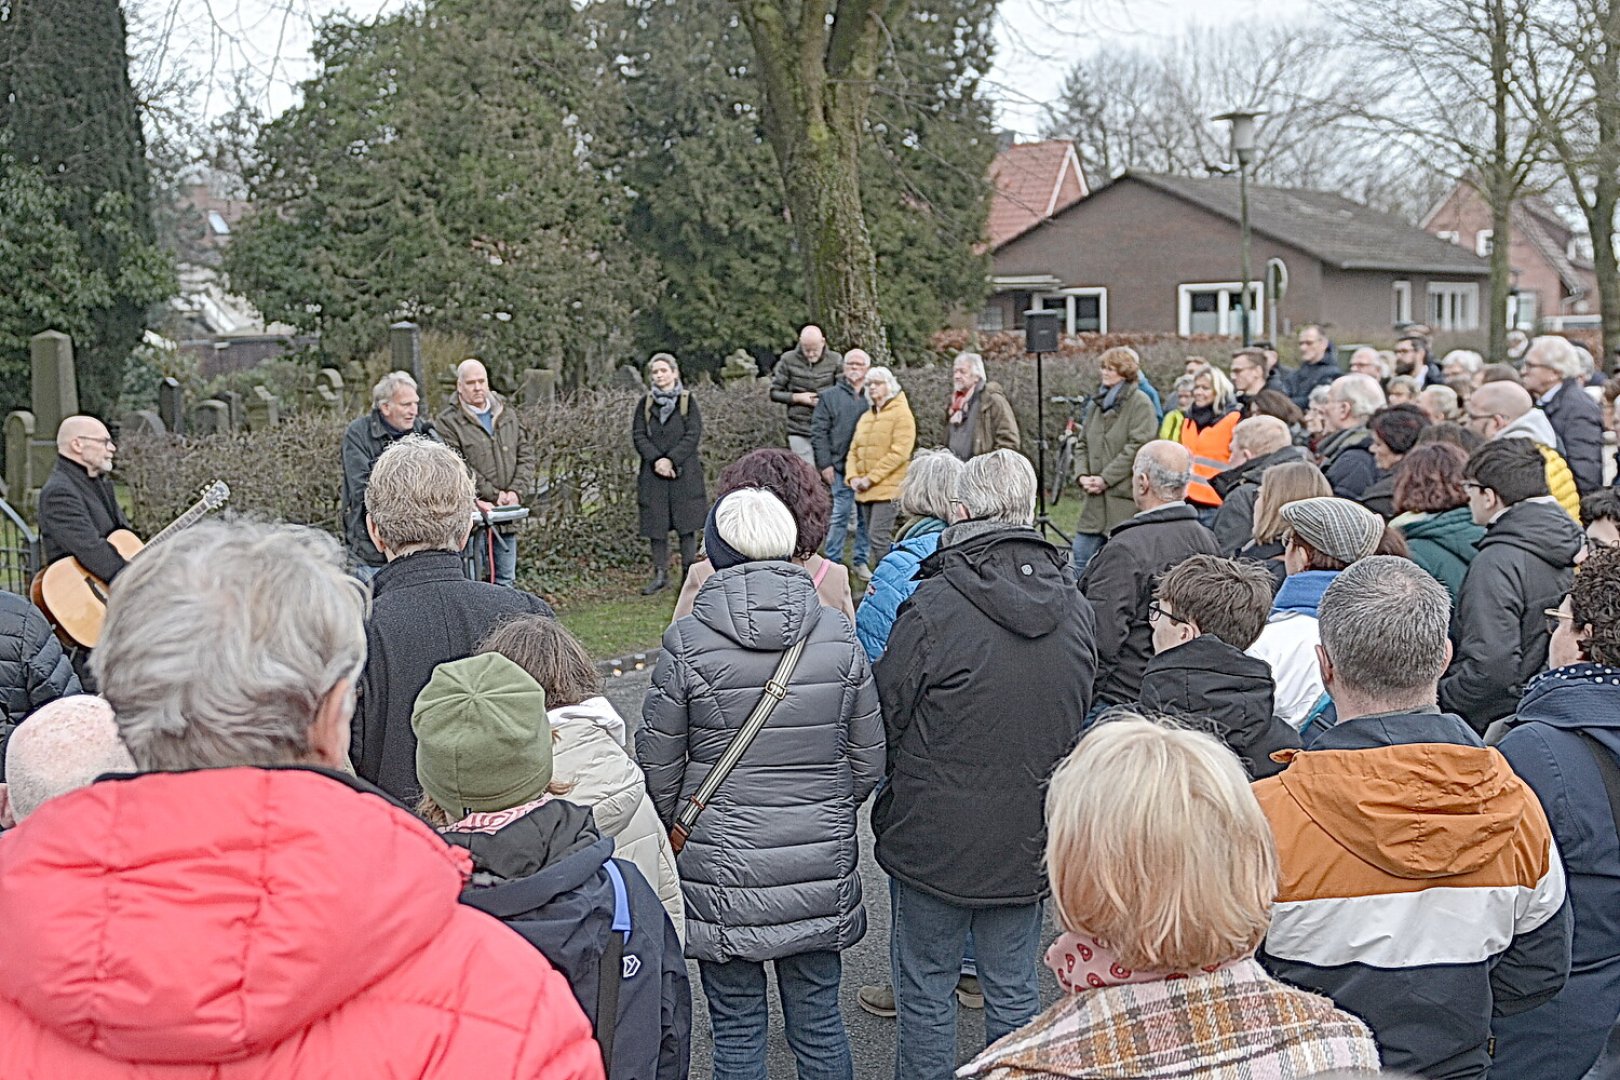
(881,449)
(1561,482)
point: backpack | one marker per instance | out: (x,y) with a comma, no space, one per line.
(646,406)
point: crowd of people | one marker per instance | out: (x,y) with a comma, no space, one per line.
(1303,744)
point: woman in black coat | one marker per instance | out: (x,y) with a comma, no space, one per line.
(666,428)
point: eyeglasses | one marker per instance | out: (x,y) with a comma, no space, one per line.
(1554,618)
(1474,485)
(1156,612)
(107,439)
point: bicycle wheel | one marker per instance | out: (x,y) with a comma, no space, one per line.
(1060,473)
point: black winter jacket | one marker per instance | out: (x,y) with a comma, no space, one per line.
(1119,583)
(363,443)
(1347,462)
(547,876)
(680,503)
(772,868)
(1307,377)
(76,515)
(1226,689)
(985,683)
(33,668)
(1525,565)
(832,425)
(1578,423)
(1238,488)
(794,374)
(424,612)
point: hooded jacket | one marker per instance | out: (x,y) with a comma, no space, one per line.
(235,924)
(1444,544)
(1347,462)
(1419,888)
(1119,582)
(893,582)
(1238,488)
(1224,690)
(1535,426)
(986,680)
(772,866)
(1562,1038)
(1525,564)
(546,875)
(1288,643)
(1578,422)
(589,756)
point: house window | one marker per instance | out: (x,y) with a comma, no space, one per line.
(1403,303)
(217,223)
(1483,242)
(1217,308)
(1454,305)
(1522,311)
(1450,236)
(993,318)
(1085,310)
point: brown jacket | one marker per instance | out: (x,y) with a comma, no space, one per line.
(997,427)
(500,462)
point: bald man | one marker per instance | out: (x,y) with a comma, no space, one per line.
(1505,410)
(1258,443)
(61,748)
(797,381)
(478,425)
(1120,577)
(78,509)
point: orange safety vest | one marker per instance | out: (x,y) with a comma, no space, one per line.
(1211,453)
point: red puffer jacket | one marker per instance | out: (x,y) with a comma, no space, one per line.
(245,923)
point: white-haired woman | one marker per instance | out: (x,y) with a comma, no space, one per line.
(925,499)
(1207,433)
(884,438)
(771,871)
(1159,967)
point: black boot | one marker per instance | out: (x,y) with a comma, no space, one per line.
(659,582)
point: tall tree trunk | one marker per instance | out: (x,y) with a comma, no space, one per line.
(1605,264)
(1501,185)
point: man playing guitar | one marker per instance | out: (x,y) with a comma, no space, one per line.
(77,506)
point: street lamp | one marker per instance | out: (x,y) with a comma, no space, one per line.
(1242,122)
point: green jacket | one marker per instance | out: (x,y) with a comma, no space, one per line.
(1109,440)
(1443,544)
(500,462)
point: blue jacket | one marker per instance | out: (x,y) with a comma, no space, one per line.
(1561,1039)
(892,584)
(551,877)
(1152,395)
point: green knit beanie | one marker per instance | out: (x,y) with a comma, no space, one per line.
(483,742)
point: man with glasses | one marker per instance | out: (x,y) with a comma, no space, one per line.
(78,509)
(1503,410)
(1318,365)
(1525,562)
(1413,358)
(1251,373)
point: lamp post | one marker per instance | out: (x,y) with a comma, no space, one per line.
(1242,122)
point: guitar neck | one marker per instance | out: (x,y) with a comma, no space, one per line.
(184,521)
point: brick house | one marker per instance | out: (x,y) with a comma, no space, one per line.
(1151,253)
(1551,262)
(1029,183)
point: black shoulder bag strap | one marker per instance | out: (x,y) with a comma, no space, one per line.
(775,690)
(1609,769)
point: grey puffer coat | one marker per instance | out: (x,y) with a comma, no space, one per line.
(771,866)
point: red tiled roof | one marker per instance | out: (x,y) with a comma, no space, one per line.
(1032,181)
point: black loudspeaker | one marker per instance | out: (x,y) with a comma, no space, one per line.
(1041,331)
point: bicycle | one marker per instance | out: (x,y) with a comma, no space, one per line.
(1063,465)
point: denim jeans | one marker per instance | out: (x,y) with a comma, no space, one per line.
(1083,548)
(843,508)
(925,951)
(739,1016)
(505,555)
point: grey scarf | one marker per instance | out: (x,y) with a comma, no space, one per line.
(666,401)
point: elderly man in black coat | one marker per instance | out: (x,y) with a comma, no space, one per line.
(983,686)
(1552,374)
(1119,579)
(419,507)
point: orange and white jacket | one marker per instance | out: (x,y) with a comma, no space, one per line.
(1420,887)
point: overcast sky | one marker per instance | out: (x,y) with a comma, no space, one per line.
(265,43)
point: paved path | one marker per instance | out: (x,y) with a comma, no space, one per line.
(871,1038)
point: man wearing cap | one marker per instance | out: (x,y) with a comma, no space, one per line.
(1524,567)
(483,756)
(1324,536)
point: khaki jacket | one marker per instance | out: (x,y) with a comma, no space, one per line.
(500,462)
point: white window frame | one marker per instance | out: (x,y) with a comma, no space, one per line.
(983,322)
(1461,293)
(1230,325)
(1482,242)
(1524,310)
(1403,302)
(1067,305)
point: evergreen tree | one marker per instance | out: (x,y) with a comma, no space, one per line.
(72,124)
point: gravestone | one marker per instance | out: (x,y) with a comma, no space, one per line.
(539,386)
(211,417)
(628,376)
(54,396)
(233,403)
(263,409)
(329,389)
(405,343)
(172,405)
(20,485)
(739,365)
(133,425)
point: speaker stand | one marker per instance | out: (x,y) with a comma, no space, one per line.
(1043,520)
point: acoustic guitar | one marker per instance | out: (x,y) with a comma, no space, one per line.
(75,600)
